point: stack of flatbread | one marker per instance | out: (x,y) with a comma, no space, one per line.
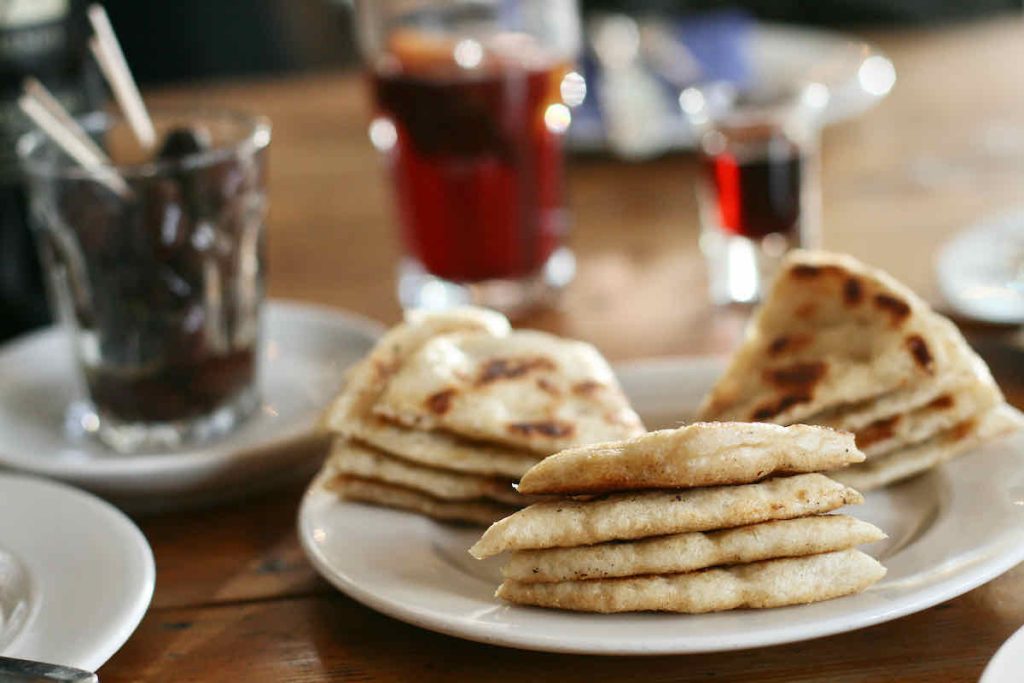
(450,409)
(841,344)
(712,516)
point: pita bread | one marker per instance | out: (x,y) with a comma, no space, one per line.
(771,583)
(389,495)
(368,378)
(527,389)
(625,516)
(966,389)
(446,451)
(680,553)
(907,462)
(701,454)
(943,413)
(363,462)
(351,414)
(831,331)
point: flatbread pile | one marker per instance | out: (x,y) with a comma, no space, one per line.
(841,344)
(708,517)
(450,409)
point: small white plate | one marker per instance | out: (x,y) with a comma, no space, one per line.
(305,352)
(949,531)
(83,574)
(981,270)
(1008,664)
(857,73)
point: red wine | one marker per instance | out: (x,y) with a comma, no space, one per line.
(477,172)
(759,193)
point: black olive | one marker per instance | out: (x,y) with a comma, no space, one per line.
(180,142)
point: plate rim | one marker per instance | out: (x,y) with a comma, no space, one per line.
(989,561)
(135,545)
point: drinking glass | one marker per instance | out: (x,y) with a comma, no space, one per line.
(159,285)
(758,186)
(472,100)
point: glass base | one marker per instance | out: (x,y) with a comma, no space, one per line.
(740,269)
(83,421)
(419,289)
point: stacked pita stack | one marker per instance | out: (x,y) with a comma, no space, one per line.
(841,344)
(712,516)
(450,409)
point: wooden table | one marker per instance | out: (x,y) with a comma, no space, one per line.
(235,598)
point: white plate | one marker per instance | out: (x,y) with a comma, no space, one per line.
(1008,664)
(949,531)
(84,579)
(981,270)
(306,350)
(858,74)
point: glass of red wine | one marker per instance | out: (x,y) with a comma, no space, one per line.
(472,100)
(758,187)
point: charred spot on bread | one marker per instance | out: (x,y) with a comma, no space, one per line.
(919,350)
(877,431)
(548,386)
(549,428)
(853,291)
(806,310)
(440,402)
(806,271)
(510,368)
(943,402)
(897,309)
(962,430)
(587,387)
(769,410)
(791,343)
(798,375)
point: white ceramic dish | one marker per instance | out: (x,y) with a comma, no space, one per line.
(1008,664)
(949,531)
(981,270)
(306,350)
(858,74)
(83,574)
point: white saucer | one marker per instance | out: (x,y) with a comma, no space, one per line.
(857,73)
(981,270)
(84,574)
(949,531)
(306,350)
(1007,666)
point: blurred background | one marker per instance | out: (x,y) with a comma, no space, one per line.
(220,48)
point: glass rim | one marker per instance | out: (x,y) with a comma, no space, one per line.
(256,136)
(715,102)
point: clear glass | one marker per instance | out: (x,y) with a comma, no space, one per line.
(758,185)
(472,100)
(161,286)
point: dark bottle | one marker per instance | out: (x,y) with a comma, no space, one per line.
(46,39)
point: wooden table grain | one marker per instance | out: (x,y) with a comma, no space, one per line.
(236,600)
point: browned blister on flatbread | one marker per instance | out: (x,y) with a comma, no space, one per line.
(527,390)
(701,454)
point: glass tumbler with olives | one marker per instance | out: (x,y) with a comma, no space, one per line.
(161,284)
